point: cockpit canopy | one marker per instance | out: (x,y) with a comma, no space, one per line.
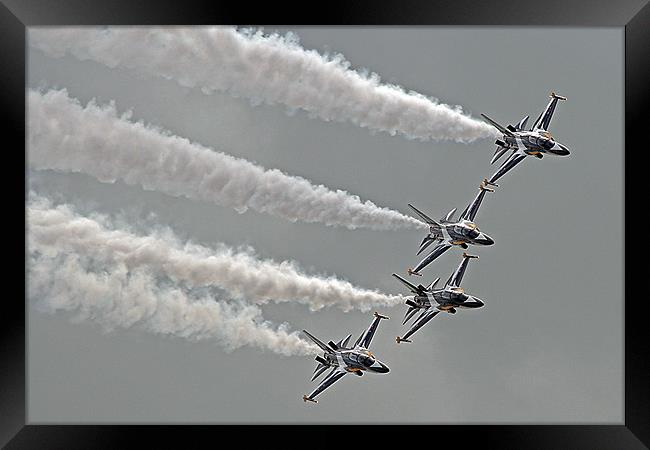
(469,230)
(546,143)
(365,358)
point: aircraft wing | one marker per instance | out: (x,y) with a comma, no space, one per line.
(437,251)
(366,337)
(515,158)
(544,118)
(335,375)
(426,316)
(472,208)
(457,277)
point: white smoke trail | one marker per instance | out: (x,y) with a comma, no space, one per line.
(273,69)
(94,140)
(116,297)
(53,230)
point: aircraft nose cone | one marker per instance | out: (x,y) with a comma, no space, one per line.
(561,150)
(379,367)
(473,302)
(486,240)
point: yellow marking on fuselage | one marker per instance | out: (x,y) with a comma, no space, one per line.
(353,369)
(457,242)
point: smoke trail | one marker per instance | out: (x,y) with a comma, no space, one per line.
(94,140)
(115,297)
(54,230)
(273,69)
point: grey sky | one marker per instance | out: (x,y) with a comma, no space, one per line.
(547,347)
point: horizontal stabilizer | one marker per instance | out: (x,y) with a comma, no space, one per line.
(379,316)
(449,215)
(499,152)
(466,255)
(308,399)
(399,340)
(427,241)
(433,284)
(409,313)
(522,123)
(343,342)
(559,97)
(319,370)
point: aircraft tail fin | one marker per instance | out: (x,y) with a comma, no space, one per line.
(424,217)
(413,288)
(318,342)
(499,127)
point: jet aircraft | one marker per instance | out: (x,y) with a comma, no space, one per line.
(448,232)
(431,301)
(535,142)
(343,360)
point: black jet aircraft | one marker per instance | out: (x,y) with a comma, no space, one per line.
(535,142)
(343,360)
(448,232)
(431,301)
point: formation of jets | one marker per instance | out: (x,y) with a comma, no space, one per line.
(445,233)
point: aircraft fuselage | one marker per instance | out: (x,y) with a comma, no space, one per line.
(448,299)
(460,233)
(535,143)
(356,360)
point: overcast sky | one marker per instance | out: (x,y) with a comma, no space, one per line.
(546,348)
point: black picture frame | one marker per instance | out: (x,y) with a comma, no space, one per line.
(16,15)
